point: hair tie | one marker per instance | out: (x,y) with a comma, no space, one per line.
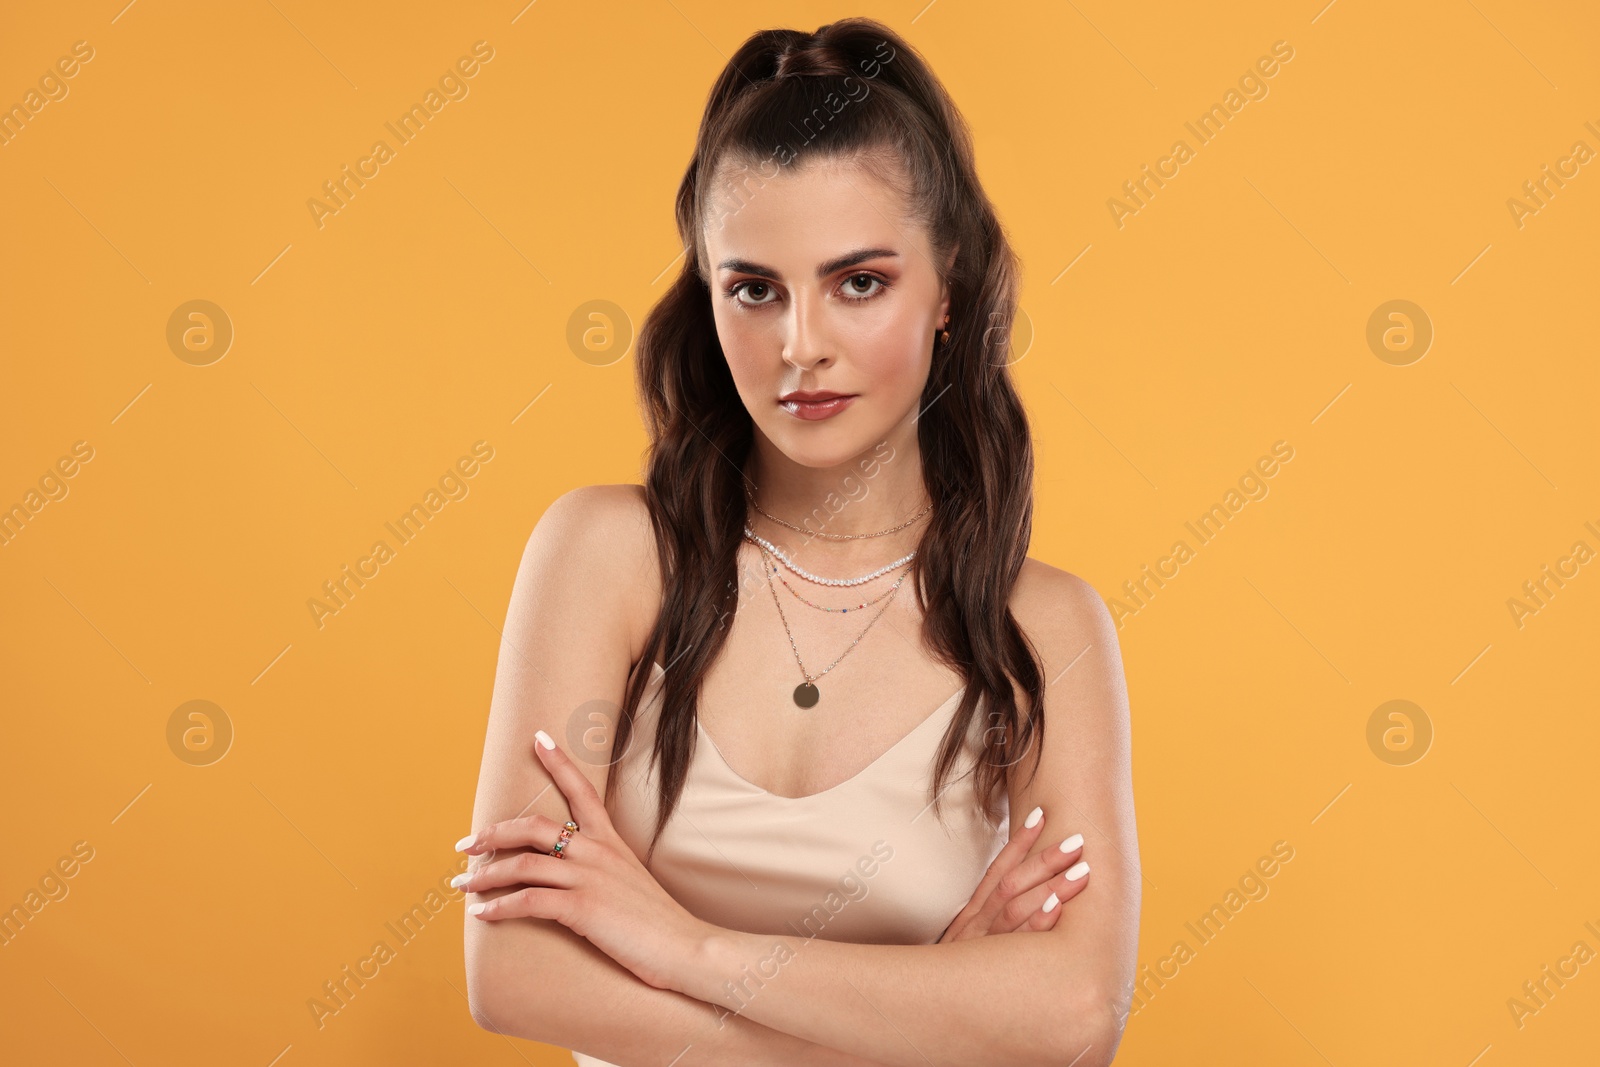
(808,62)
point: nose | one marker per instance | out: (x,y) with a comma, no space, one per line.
(806,345)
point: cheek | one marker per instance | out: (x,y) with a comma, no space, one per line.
(891,360)
(739,332)
(744,348)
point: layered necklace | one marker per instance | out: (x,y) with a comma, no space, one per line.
(806,693)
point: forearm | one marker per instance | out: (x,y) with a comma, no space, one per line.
(537,980)
(1014,999)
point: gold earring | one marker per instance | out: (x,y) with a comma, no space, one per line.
(944,338)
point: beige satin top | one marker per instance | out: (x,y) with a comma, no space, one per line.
(866,861)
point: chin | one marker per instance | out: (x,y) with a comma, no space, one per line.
(824,450)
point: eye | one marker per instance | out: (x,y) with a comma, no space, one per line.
(852,293)
(735,293)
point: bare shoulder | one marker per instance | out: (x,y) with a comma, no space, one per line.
(607,515)
(574,625)
(604,532)
(1086,693)
(1060,611)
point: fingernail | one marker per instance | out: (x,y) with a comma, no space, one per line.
(476,909)
(1033,818)
(544,739)
(460,880)
(1051,902)
(1075,841)
(1077,870)
(465,842)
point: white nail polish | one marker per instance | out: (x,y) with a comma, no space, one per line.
(1077,870)
(460,880)
(465,841)
(476,909)
(1051,902)
(1033,818)
(544,739)
(1075,841)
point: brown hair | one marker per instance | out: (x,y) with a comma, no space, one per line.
(853,90)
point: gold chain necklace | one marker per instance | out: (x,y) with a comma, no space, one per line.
(806,693)
(824,607)
(833,536)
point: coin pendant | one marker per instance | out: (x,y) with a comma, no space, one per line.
(806,695)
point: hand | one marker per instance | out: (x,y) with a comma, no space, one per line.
(597,888)
(1014,891)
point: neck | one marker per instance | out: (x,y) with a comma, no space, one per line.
(877,490)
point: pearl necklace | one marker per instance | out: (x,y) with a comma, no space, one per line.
(772,568)
(751,535)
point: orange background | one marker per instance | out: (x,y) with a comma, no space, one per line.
(1167,355)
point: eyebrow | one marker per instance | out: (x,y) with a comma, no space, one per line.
(849,259)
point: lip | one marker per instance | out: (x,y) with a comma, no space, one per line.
(811,394)
(814,406)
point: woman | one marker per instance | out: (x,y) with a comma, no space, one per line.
(843,673)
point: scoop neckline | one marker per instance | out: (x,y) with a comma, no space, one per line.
(884,756)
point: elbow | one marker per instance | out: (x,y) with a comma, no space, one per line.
(494,1014)
(486,1012)
(1091,1033)
(514,981)
(482,1014)
(488,984)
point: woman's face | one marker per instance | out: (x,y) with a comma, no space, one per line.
(820,283)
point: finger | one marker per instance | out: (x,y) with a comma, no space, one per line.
(981,907)
(537,832)
(1041,920)
(1020,887)
(588,809)
(535,903)
(1038,910)
(524,868)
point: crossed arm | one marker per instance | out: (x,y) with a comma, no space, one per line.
(1056,997)
(1019,1000)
